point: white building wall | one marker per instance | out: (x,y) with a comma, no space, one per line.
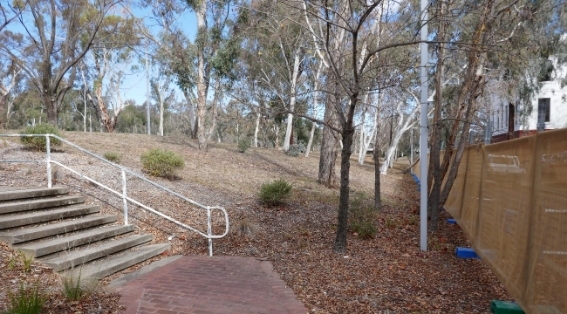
(558,107)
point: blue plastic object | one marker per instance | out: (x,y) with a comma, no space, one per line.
(451,221)
(465,252)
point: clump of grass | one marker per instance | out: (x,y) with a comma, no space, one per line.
(38,142)
(274,193)
(27,300)
(362,216)
(162,163)
(26,262)
(243,145)
(72,287)
(112,156)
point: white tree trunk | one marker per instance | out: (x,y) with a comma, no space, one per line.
(161,111)
(293,90)
(202,86)
(404,124)
(257,127)
(315,99)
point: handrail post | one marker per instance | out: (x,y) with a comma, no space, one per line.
(209,231)
(48,160)
(124,201)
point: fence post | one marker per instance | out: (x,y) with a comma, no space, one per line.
(209,231)
(488,132)
(124,201)
(48,161)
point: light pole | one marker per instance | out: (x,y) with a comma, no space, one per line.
(423,129)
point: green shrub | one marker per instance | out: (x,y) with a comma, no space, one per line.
(162,163)
(295,149)
(112,156)
(243,145)
(38,142)
(274,193)
(362,216)
(28,300)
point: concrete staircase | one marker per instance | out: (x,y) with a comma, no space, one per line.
(63,233)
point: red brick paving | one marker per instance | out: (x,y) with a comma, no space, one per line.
(201,284)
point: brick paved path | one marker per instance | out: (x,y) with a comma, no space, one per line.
(201,284)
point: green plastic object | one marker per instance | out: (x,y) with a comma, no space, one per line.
(503,307)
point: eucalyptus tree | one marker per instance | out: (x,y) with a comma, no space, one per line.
(49,40)
(493,39)
(162,91)
(111,55)
(217,48)
(342,38)
(10,77)
(10,12)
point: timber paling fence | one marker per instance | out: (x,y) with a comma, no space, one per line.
(510,199)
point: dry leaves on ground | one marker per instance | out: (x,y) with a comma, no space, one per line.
(388,272)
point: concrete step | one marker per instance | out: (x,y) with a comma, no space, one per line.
(23,193)
(54,245)
(29,234)
(72,259)
(26,205)
(12,221)
(115,263)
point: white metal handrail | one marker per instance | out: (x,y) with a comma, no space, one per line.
(125,198)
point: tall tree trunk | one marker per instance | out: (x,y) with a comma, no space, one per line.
(257,125)
(202,84)
(376,153)
(471,90)
(161,112)
(315,100)
(294,74)
(329,145)
(51,103)
(342,228)
(214,107)
(434,163)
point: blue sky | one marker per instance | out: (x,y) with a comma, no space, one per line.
(135,86)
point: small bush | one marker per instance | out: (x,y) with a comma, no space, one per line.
(275,192)
(38,142)
(162,163)
(295,149)
(112,156)
(243,145)
(28,300)
(362,217)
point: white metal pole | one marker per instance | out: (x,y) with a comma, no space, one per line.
(411,149)
(124,195)
(48,160)
(209,231)
(148,90)
(423,129)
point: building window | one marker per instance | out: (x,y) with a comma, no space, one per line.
(543,112)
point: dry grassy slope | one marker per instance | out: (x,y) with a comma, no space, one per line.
(223,168)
